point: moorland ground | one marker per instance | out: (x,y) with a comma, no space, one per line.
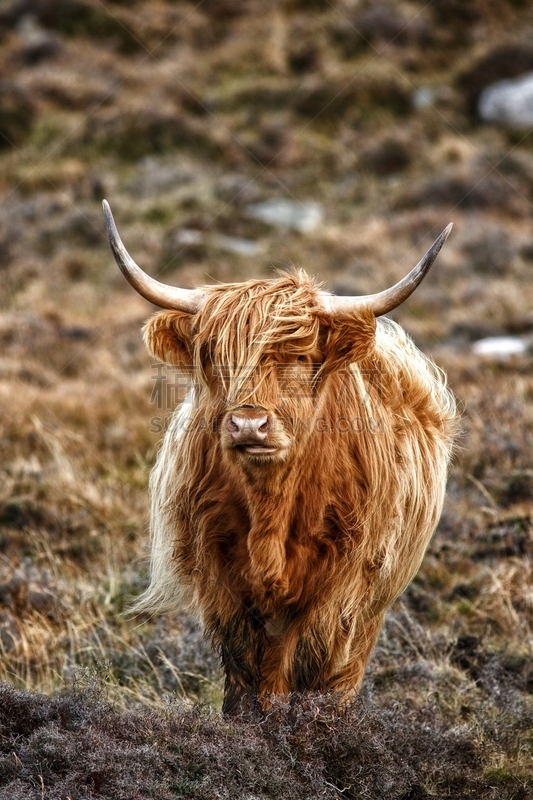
(183,115)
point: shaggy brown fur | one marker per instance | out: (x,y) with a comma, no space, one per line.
(292,559)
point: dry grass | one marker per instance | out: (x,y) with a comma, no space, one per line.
(77,745)
(240,102)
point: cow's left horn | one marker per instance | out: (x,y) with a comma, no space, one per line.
(383,302)
(158,293)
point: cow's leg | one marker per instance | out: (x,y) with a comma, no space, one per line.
(274,669)
(325,660)
(242,642)
(346,678)
(311,663)
(293,662)
(296,662)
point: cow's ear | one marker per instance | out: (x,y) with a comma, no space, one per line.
(347,338)
(167,336)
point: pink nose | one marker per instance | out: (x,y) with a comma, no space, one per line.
(248,427)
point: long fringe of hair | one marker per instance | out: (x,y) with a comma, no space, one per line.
(392,471)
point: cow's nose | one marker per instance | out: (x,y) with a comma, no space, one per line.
(248,427)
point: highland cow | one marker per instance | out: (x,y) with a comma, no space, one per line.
(299,484)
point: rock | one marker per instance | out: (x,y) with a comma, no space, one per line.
(196,242)
(503,62)
(500,347)
(238,245)
(508,103)
(282,213)
(188,236)
(424,97)
(38,44)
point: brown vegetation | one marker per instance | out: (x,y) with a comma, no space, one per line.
(183,115)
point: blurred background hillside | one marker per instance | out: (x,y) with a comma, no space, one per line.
(232,138)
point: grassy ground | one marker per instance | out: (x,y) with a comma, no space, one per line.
(182,115)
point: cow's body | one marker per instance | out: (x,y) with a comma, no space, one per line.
(298,486)
(297,490)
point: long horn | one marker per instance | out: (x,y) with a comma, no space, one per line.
(158,293)
(383,302)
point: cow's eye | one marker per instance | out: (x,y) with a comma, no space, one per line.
(302,359)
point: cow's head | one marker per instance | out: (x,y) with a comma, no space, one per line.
(261,351)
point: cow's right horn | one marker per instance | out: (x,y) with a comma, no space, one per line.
(158,293)
(388,300)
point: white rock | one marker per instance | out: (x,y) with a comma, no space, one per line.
(500,346)
(509,102)
(301,217)
(236,244)
(424,97)
(233,244)
(189,236)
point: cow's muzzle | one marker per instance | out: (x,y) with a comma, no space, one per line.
(250,430)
